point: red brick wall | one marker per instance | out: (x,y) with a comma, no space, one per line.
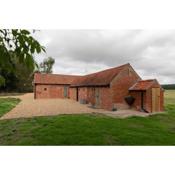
(49,91)
(120,86)
(88,93)
(82,93)
(106,98)
(137,102)
(137,96)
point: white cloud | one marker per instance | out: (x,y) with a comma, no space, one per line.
(151,53)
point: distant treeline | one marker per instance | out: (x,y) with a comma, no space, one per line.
(168,86)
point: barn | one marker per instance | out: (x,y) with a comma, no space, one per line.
(52,85)
(107,89)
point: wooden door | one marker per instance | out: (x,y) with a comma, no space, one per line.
(97,97)
(155,99)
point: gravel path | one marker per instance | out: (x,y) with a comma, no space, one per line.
(28,107)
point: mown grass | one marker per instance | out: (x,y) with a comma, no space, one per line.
(6,104)
(170,97)
(4,94)
(86,129)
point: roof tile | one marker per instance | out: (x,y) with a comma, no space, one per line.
(142,85)
(101,78)
(42,78)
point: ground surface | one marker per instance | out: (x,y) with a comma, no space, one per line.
(7,104)
(91,129)
(28,107)
(169,96)
(88,129)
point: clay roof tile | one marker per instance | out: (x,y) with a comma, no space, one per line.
(142,85)
(101,78)
(42,78)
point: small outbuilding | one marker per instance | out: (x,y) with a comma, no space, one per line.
(148,95)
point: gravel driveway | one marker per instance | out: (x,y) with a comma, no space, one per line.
(28,107)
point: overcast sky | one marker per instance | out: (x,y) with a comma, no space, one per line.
(151,53)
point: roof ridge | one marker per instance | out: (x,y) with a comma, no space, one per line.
(148,80)
(85,74)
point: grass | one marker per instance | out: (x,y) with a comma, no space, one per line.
(3,94)
(6,104)
(170,97)
(86,129)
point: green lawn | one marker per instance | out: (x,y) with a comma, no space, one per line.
(86,129)
(6,104)
(170,97)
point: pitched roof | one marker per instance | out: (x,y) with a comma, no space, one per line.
(142,85)
(41,78)
(101,78)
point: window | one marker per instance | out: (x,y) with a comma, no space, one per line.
(45,89)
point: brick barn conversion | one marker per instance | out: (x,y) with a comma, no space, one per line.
(108,89)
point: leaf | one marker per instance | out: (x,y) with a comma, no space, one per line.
(14,32)
(25,32)
(43,49)
(2,81)
(32,49)
(29,61)
(38,48)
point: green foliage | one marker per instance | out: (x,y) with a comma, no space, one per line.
(19,43)
(46,65)
(6,104)
(18,80)
(168,86)
(2,80)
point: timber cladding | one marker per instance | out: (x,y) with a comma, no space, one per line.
(105,89)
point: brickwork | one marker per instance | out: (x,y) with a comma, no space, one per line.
(83,93)
(120,86)
(106,98)
(49,91)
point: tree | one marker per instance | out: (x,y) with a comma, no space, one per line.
(24,75)
(46,65)
(19,43)
(18,80)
